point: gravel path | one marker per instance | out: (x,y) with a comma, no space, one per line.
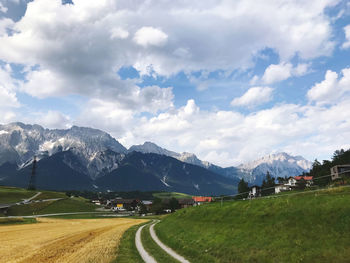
(164,247)
(143,253)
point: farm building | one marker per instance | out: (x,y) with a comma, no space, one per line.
(202,199)
(339,171)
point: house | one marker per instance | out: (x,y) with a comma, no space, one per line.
(339,171)
(255,191)
(202,199)
(308,179)
(293,181)
(186,202)
(147,203)
(281,188)
(124,204)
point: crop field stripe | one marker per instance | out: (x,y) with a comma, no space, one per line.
(62,240)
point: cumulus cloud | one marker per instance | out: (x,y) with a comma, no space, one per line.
(53,119)
(3,8)
(346,44)
(331,89)
(254,96)
(8,98)
(229,138)
(150,36)
(279,72)
(94,36)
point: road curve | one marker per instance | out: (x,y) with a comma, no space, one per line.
(164,247)
(143,253)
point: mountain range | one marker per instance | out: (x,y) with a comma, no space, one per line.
(90,159)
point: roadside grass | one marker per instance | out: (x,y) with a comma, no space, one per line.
(169,195)
(308,227)
(127,251)
(14,221)
(13,194)
(153,249)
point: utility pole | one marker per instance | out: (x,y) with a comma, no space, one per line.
(32,179)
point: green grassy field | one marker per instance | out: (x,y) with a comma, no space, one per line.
(12,194)
(14,221)
(309,227)
(61,206)
(171,195)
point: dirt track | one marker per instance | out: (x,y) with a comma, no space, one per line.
(59,240)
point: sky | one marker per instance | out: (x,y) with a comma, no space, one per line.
(230,81)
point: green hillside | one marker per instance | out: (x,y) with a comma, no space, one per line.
(308,227)
(64,204)
(168,195)
(13,194)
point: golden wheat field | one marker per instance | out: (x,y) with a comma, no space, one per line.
(63,240)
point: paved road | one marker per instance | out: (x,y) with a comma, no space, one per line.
(143,253)
(164,247)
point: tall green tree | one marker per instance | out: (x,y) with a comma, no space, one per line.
(267,187)
(243,189)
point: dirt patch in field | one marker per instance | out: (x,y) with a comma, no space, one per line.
(63,240)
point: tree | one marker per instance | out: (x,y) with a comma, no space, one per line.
(157,206)
(267,187)
(174,204)
(243,189)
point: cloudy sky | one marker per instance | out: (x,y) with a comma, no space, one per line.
(229,81)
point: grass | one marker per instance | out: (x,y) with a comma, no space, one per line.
(13,194)
(153,249)
(51,207)
(309,227)
(50,195)
(169,195)
(127,252)
(13,221)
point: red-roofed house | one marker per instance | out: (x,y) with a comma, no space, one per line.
(202,199)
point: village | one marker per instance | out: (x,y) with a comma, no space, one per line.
(338,173)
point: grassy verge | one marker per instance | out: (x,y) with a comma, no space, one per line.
(13,221)
(153,249)
(127,252)
(310,227)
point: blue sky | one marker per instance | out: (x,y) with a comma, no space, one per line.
(228,81)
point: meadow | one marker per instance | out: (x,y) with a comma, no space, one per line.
(306,227)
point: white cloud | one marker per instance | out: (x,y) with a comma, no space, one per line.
(3,8)
(279,72)
(8,98)
(97,34)
(150,36)
(5,24)
(118,32)
(331,88)
(254,96)
(346,44)
(54,119)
